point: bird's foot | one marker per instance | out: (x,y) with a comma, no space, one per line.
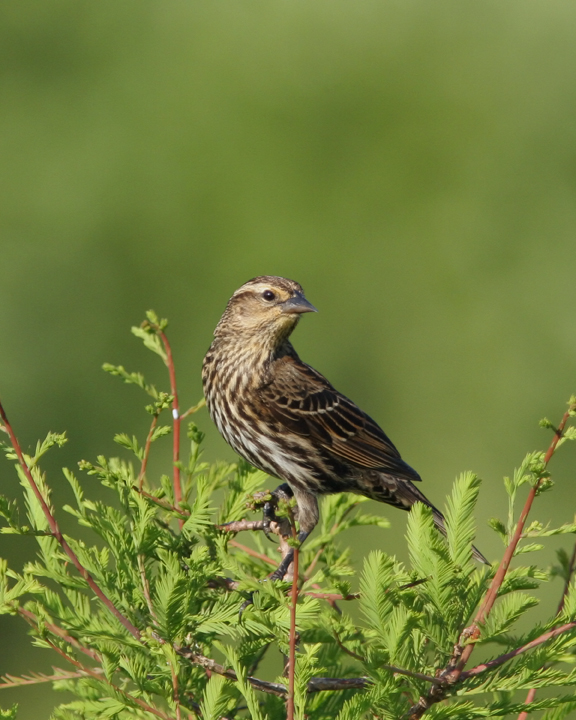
(282,569)
(288,551)
(273,510)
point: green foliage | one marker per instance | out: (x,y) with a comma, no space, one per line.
(177,576)
(9,714)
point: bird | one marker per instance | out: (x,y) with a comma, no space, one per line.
(285,418)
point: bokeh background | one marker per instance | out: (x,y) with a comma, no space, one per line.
(412,164)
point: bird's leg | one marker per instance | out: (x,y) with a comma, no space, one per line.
(287,560)
(307,516)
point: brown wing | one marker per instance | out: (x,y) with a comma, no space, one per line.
(303,400)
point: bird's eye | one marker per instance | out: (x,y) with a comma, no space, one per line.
(268,295)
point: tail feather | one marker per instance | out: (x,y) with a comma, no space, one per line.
(402,493)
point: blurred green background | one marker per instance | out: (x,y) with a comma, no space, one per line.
(411,164)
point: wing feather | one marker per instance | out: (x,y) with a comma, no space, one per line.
(305,402)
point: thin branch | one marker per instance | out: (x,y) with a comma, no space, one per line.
(175,693)
(414,583)
(240,525)
(347,650)
(253,553)
(32,620)
(330,600)
(146,588)
(214,667)
(529,698)
(164,504)
(58,534)
(392,668)
(146,455)
(193,409)
(12,681)
(293,637)
(318,684)
(519,651)
(331,684)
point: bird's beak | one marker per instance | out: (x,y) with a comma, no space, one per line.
(297,304)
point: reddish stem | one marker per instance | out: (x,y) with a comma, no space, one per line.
(160,502)
(254,553)
(32,620)
(292,650)
(58,534)
(519,651)
(175,694)
(176,418)
(529,698)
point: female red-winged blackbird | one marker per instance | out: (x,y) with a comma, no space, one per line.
(287,419)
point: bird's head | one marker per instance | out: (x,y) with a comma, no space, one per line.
(266,308)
